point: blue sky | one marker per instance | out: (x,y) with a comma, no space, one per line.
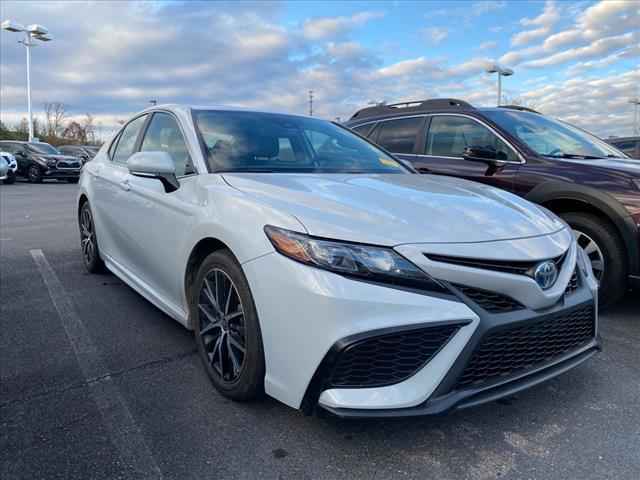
(573,60)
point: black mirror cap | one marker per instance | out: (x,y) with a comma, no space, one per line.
(481,154)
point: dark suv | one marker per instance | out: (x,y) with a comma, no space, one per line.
(594,187)
(38,161)
(83,152)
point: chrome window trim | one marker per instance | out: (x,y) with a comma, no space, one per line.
(487,126)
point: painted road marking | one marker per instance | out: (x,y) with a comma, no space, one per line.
(117,419)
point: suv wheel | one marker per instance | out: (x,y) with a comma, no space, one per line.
(11,178)
(34,174)
(606,251)
(226,328)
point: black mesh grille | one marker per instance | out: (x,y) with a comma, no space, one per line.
(509,351)
(390,358)
(67,164)
(491,301)
(574,283)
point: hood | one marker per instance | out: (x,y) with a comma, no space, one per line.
(66,158)
(628,165)
(395,209)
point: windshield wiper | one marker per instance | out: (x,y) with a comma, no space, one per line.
(575,155)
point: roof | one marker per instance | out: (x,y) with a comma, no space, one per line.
(419,106)
(184,108)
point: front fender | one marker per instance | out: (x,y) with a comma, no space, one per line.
(602,201)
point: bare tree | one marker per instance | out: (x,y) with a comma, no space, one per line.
(54,113)
(75,132)
(89,128)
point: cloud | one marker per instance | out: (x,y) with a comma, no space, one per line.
(543,23)
(487,45)
(320,28)
(593,32)
(436,34)
(600,47)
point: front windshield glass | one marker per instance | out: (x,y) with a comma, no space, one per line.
(41,147)
(551,138)
(237,141)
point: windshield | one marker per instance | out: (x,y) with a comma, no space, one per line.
(265,142)
(552,138)
(41,147)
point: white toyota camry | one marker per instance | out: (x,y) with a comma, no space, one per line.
(313,266)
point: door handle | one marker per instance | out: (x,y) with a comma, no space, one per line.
(125,185)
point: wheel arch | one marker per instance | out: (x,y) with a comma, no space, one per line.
(560,197)
(198,253)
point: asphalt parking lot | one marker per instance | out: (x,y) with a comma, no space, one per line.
(584,424)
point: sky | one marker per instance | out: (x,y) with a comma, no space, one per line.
(574,60)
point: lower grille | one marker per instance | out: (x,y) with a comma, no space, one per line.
(512,350)
(63,164)
(491,301)
(390,358)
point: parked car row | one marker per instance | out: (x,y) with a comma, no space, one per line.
(593,186)
(316,267)
(629,145)
(8,167)
(38,161)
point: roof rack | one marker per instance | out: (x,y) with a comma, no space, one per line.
(520,108)
(415,106)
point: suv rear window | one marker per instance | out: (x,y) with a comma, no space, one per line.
(399,136)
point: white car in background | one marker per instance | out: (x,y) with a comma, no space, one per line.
(312,265)
(8,174)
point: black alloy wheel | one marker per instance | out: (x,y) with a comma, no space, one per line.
(88,241)
(222,326)
(34,174)
(226,327)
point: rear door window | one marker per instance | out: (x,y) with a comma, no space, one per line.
(363,129)
(399,136)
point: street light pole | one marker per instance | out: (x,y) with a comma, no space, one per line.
(27,45)
(502,72)
(31,33)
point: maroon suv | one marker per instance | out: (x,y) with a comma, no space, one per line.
(593,186)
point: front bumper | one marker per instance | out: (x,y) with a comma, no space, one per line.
(309,317)
(61,173)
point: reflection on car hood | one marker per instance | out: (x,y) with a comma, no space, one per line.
(629,165)
(393,209)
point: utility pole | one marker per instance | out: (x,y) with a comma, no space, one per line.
(635,102)
(311,103)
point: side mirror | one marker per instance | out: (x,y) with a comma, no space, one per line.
(480,154)
(157,165)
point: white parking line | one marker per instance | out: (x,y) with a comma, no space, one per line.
(117,419)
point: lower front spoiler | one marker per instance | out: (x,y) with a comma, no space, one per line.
(459,400)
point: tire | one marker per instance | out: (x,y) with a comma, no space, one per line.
(11,178)
(34,174)
(72,180)
(219,346)
(613,280)
(89,241)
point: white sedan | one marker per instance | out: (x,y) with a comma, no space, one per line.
(313,266)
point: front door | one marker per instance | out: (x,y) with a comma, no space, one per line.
(446,138)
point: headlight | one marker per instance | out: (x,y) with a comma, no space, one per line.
(365,262)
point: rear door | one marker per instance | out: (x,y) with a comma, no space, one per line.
(442,147)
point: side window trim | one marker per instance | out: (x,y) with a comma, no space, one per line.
(479,122)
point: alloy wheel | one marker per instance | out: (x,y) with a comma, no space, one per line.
(34,173)
(87,236)
(222,325)
(594,253)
